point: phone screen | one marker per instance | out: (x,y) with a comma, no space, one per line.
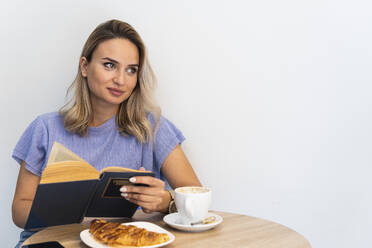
(49,244)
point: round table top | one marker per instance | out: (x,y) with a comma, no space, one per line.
(236,230)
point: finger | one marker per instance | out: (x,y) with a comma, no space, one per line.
(137,199)
(142,190)
(149,206)
(151,181)
(142,198)
(147,211)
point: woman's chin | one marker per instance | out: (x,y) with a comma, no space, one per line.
(115,100)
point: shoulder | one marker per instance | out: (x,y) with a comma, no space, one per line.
(49,119)
(158,120)
(153,118)
(167,137)
(34,144)
(165,130)
(45,123)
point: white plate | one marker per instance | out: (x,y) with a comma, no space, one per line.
(171,219)
(88,239)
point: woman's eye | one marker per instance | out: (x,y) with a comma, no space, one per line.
(132,70)
(109,65)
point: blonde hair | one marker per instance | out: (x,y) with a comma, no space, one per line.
(133,113)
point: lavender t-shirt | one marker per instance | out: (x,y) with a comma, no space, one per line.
(103,146)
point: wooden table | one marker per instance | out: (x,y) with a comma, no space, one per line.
(235,231)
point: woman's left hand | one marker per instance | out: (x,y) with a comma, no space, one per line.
(152,198)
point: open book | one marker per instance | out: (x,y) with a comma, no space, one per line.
(71,189)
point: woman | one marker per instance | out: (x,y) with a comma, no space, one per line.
(110,120)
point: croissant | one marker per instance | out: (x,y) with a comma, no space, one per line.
(115,234)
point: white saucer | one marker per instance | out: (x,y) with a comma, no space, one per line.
(89,240)
(171,219)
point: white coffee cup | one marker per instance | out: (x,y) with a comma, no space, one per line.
(192,203)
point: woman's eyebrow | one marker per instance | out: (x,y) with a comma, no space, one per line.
(137,65)
(111,60)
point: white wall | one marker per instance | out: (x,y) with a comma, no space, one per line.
(273,97)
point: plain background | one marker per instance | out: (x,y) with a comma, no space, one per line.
(274,98)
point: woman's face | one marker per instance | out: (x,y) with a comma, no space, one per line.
(112,72)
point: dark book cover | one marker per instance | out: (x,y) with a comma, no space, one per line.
(69,202)
(60,203)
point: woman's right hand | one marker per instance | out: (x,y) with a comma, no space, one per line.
(153,198)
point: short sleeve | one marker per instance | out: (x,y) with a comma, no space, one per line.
(32,147)
(167,137)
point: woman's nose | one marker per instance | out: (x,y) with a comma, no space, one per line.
(119,78)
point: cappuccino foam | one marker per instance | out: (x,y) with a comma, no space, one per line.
(192,190)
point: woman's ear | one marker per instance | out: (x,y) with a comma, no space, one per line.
(83,66)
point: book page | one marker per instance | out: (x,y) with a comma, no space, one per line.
(64,166)
(68,171)
(121,169)
(60,153)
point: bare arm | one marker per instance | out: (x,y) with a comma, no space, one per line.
(176,169)
(24,195)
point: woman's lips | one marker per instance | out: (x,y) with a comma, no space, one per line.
(115,92)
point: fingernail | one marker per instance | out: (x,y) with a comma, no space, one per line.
(132,179)
(123,189)
(124,195)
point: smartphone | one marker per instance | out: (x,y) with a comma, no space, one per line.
(49,244)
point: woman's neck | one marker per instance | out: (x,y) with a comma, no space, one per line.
(100,116)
